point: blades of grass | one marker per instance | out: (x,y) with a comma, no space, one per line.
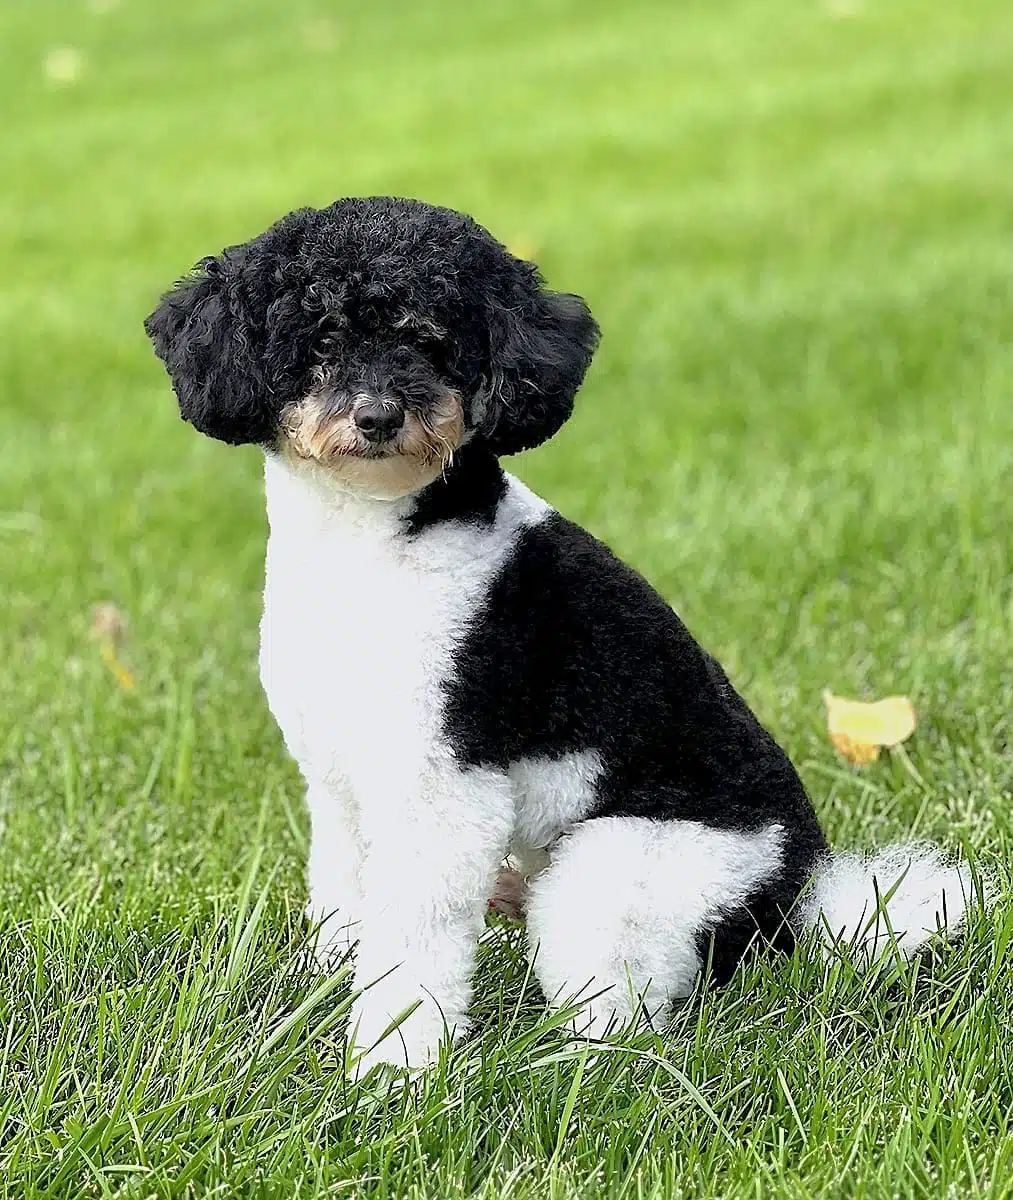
(247,926)
(637,1156)
(296,1020)
(135,1129)
(791,1104)
(162,749)
(70,775)
(905,761)
(295,826)
(571,1100)
(648,1056)
(186,732)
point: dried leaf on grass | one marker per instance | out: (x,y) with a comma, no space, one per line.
(109,628)
(858,729)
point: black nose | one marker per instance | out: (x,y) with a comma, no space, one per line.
(378,420)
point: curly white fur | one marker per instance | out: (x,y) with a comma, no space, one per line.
(891,900)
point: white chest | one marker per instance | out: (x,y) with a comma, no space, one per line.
(361,624)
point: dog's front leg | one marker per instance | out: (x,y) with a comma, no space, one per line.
(335,866)
(432,856)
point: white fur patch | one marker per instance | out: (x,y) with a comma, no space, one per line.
(620,908)
(552,795)
(921,891)
(358,635)
(360,623)
(433,854)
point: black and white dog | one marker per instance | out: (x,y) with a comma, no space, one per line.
(460,672)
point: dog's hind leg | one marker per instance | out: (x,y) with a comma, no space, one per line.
(622,917)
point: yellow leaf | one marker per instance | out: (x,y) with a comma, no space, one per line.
(857,729)
(860,753)
(119,671)
(109,628)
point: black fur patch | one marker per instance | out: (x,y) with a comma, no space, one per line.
(470,490)
(575,651)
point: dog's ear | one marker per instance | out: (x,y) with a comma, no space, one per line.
(539,352)
(208,331)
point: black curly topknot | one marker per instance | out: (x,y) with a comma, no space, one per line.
(376,294)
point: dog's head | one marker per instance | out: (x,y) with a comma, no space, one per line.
(374,338)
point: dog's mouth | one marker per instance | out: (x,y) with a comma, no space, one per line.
(389,450)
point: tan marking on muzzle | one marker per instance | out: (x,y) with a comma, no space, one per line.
(416,456)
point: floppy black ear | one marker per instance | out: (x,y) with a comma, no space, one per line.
(208,334)
(539,354)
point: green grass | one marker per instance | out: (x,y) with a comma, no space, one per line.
(793,222)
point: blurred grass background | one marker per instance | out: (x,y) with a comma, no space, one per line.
(794,221)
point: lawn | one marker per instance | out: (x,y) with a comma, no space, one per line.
(794,221)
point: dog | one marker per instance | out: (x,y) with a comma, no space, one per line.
(463,674)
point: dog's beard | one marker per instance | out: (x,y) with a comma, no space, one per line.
(312,432)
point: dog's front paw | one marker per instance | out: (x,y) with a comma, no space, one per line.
(396,1031)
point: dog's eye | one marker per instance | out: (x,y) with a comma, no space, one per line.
(433,349)
(428,337)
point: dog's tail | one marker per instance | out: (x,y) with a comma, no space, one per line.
(893,900)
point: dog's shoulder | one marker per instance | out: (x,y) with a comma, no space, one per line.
(568,643)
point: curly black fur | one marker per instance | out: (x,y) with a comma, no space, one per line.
(381,295)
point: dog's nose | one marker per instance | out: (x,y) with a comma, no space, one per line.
(378,420)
